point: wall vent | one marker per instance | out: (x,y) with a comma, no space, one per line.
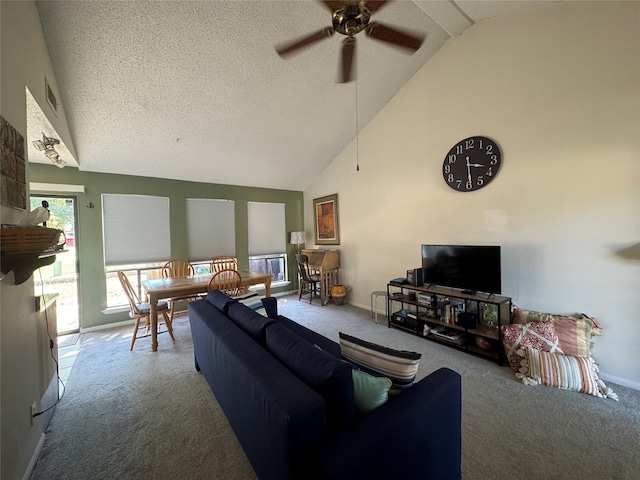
(51,98)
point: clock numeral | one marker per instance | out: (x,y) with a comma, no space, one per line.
(458,149)
(489,149)
(458,183)
(450,178)
(469,185)
(480,141)
(452,158)
(468,144)
(480,181)
(447,169)
(494,159)
(490,172)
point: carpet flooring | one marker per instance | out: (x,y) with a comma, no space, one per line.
(145,415)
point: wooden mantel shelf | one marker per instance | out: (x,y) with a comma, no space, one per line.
(24,264)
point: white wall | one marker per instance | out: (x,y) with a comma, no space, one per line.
(559,89)
(25,62)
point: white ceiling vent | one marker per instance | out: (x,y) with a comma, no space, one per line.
(51,98)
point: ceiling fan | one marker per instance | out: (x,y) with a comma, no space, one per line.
(350,17)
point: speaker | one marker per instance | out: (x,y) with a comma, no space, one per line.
(467,319)
(414,277)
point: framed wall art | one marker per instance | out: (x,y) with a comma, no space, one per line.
(326,220)
(13,174)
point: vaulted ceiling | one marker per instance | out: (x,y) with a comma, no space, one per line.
(194,90)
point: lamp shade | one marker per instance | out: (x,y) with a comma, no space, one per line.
(298,238)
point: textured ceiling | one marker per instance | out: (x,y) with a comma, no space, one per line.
(194,90)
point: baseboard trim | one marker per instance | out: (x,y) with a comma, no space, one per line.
(619,381)
(106,326)
(34,458)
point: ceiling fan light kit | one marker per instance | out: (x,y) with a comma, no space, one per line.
(350,17)
(47,144)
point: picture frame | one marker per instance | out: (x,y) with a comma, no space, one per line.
(13,167)
(327,227)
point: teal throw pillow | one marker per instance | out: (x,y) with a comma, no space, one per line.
(370,392)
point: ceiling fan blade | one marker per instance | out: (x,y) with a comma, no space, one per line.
(332,5)
(348,60)
(394,36)
(375,5)
(306,41)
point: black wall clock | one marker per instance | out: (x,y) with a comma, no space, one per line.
(471,164)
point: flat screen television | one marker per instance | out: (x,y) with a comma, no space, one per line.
(475,268)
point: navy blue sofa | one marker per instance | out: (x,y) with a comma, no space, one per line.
(295,429)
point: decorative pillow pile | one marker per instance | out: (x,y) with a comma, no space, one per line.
(568,372)
(539,335)
(574,331)
(399,366)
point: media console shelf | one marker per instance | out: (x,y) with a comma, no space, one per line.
(467,321)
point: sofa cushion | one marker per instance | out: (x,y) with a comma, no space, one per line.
(250,321)
(370,392)
(312,337)
(399,366)
(220,300)
(563,371)
(330,377)
(270,305)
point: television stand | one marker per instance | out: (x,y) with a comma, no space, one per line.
(461,319)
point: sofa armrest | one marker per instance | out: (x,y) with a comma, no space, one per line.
(416,435)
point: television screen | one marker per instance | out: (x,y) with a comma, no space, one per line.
(466,267)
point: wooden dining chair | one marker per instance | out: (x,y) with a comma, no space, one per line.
(178,268)
(142,310)
(308,282)
(223,263)
(227,281)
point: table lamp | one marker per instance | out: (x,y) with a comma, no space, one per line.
(298,238)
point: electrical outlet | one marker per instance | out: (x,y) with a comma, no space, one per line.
(33,412)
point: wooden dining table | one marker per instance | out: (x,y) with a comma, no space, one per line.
(159,288)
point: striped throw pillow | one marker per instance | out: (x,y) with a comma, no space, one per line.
(579,374)
(398,365)
(253,301)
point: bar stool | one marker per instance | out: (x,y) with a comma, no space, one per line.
(374,298)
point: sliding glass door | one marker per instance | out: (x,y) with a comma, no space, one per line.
(61,277)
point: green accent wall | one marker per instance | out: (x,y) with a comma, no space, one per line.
(89,234)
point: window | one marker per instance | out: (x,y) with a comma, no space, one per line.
(276,265)
(136,238)
(135,229)
(136,274)
(211,228)
(267,239)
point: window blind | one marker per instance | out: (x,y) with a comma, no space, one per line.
(136,229)
(211,228)
(267,228)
